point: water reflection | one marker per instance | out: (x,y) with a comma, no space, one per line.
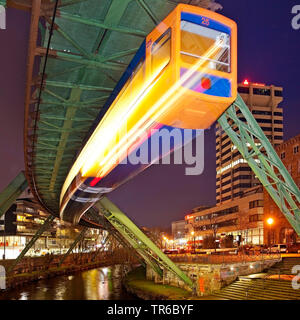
(96,284)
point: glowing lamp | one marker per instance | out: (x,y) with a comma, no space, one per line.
(270,221)
(246,82)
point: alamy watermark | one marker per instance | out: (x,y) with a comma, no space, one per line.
(296,18)
(2,278)
(2,17)
(167,145)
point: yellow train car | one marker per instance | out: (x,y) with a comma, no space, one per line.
(194,51)
(183,76)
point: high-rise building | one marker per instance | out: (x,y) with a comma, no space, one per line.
(234,176)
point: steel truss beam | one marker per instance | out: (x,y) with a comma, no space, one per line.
(257,150)
(40,231)
(104,223)
(73,245)
(141,243)
(9,195)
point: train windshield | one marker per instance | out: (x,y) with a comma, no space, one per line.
(210,48)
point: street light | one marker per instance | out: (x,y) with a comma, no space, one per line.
(166,239)
(270,222)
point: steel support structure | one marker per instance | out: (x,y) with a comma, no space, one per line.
(113,232)
(9,195)
(39,232)
(73,245)
(140,242)
(246,134)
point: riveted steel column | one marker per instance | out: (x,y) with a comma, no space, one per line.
(257,150)
(144,246)
(9,195)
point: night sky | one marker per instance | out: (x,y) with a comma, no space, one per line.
(268,52)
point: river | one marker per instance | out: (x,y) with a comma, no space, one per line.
(96,284)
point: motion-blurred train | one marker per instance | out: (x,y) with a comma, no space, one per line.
(183,76)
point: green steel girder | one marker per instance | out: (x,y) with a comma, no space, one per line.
(148,10)
(140,242)
(127,246)
(40,231)
(95,23)
(73,245)
(257,150)
(76,86)
(95,217)
(9,195)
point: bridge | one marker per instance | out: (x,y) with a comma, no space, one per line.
(78,51)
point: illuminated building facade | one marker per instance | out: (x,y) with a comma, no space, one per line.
(24,218)
(178,233)
(234,176)
(280,231)
(240,217)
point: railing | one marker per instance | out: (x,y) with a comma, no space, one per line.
(222,258)
(278,272)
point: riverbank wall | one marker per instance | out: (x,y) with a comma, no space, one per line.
(210,278)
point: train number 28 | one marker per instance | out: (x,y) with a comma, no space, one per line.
(205,21)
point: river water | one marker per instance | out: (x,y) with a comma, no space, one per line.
(97,284)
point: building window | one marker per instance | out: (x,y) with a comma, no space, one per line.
(264,120)
(296,149)
(256,204)
(278,137)
(262,92)
(278,121)
(266,113)
(255,217)
(282,155)
(266,128)
(278,114)
(278,93)
(243,90)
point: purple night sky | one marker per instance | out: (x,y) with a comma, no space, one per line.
(268,53)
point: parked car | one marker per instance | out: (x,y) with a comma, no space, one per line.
(170,251)
(293,248)
(279,248)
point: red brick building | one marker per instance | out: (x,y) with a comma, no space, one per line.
(281,231)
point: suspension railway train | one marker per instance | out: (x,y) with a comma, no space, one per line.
(183,76)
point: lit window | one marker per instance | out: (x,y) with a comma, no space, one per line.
(198,41)
(161,52)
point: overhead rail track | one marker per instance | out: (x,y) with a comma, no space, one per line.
(83,47)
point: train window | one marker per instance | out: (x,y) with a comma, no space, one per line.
(161,52)
(211,46)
